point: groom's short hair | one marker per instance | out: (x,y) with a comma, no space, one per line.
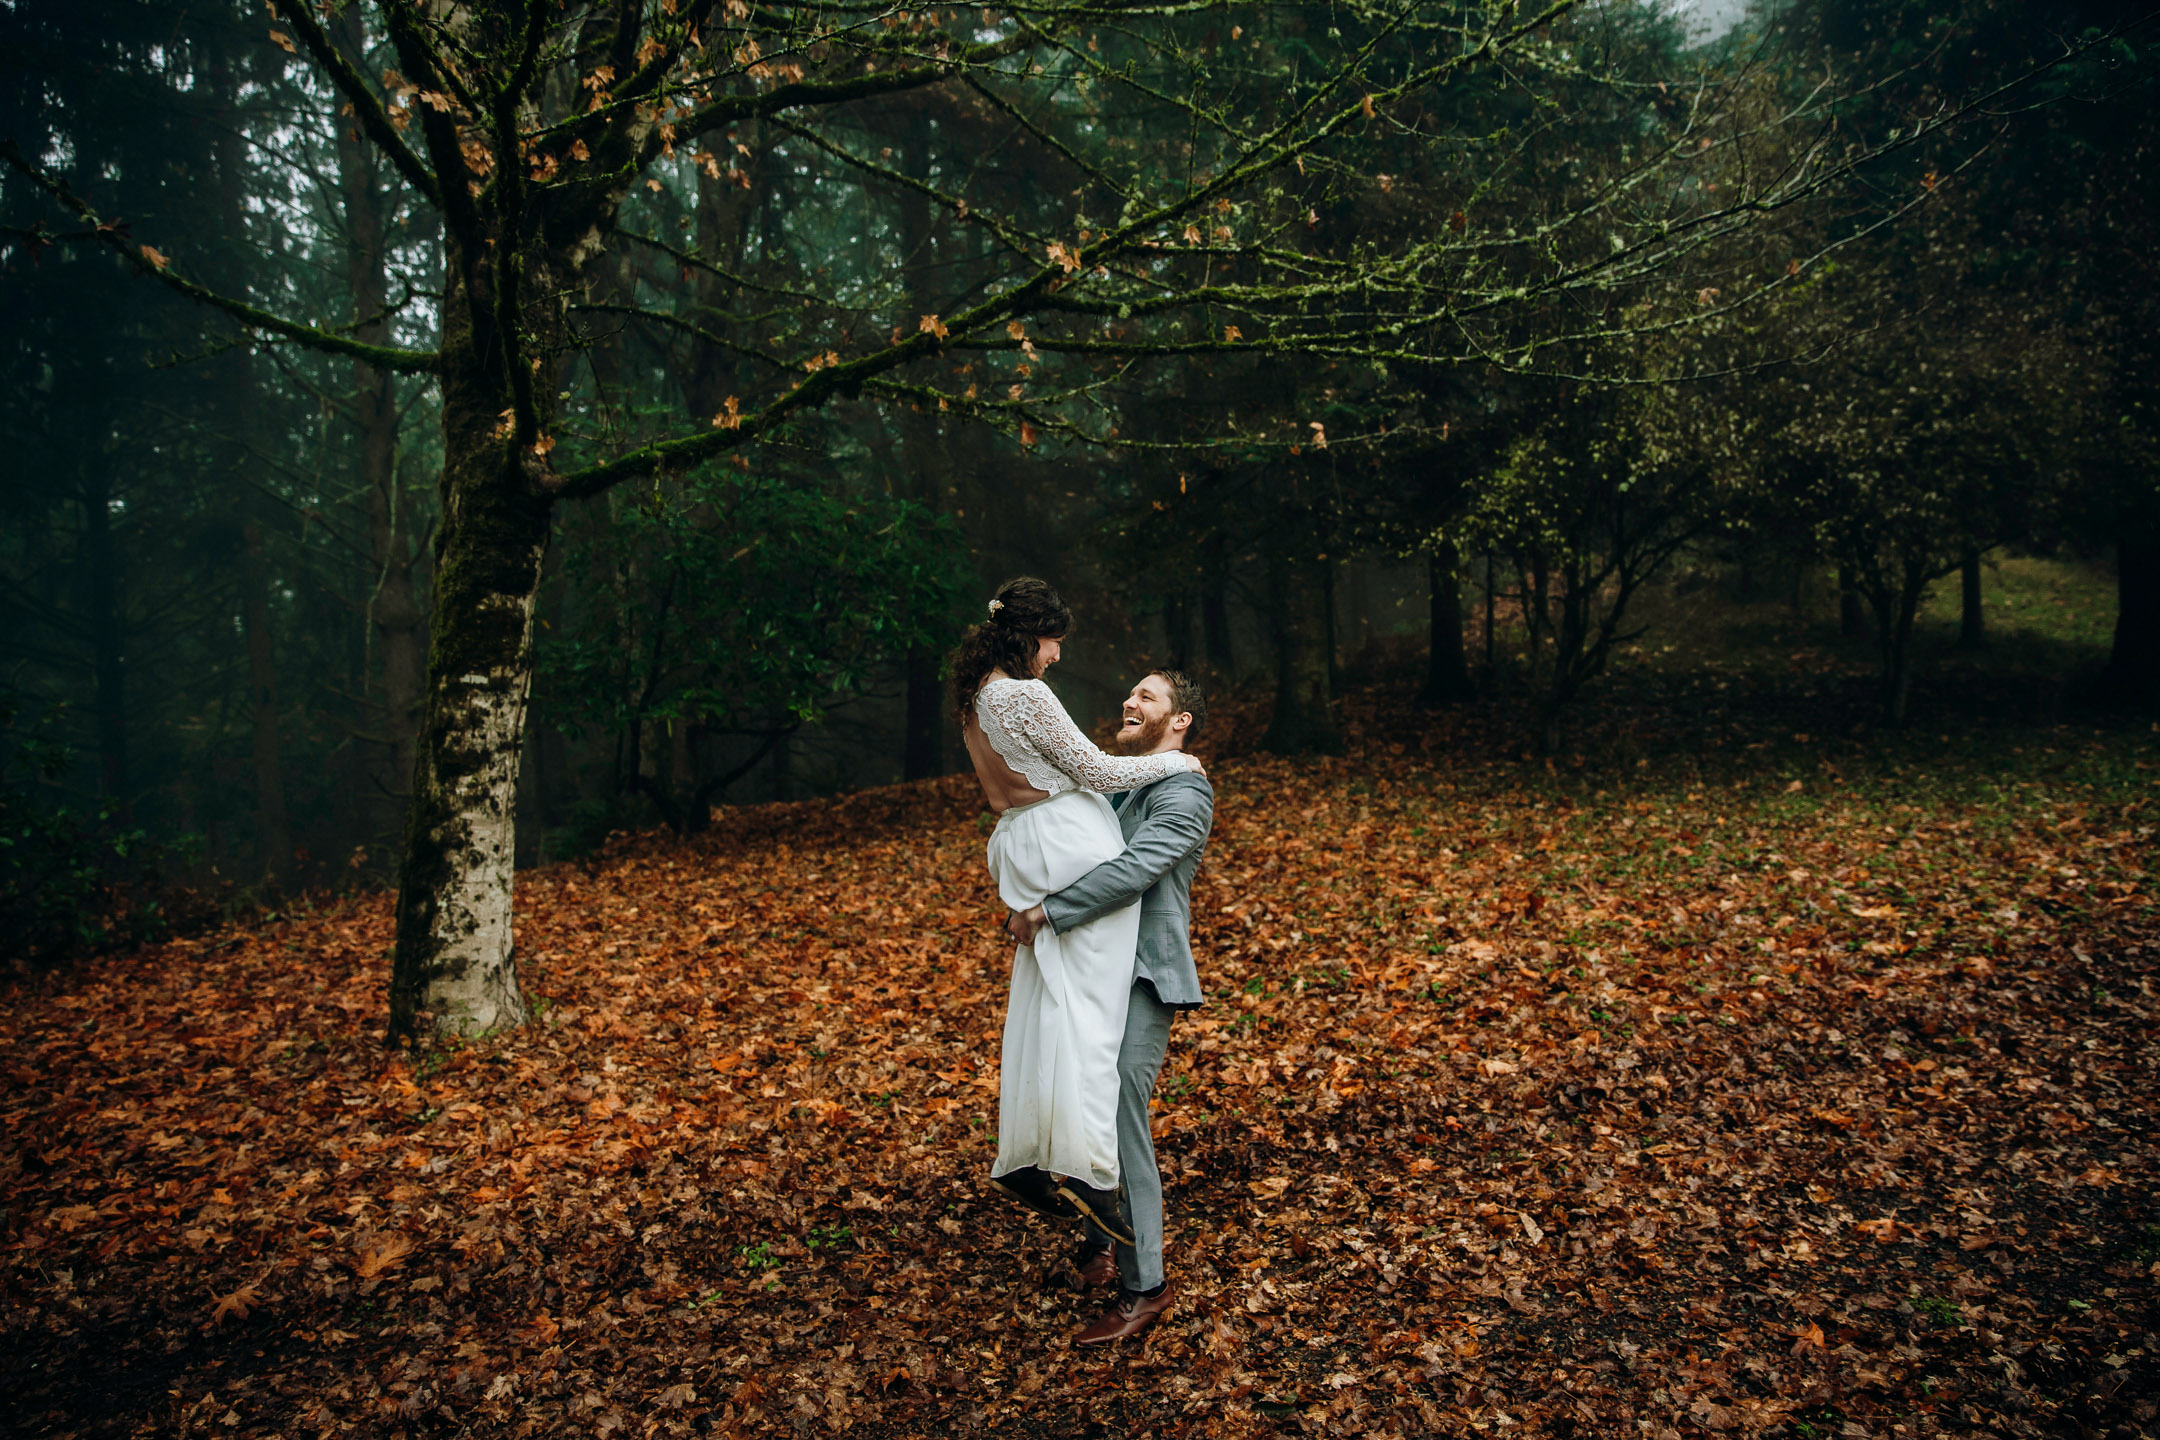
(1186,698)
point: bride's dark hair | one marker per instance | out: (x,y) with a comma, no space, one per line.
(1022,611)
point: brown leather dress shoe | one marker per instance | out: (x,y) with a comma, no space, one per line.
(1098,1269)
(1132,1314)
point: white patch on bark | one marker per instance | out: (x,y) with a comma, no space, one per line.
(473,986)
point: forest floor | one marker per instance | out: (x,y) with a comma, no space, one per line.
(1743,1074)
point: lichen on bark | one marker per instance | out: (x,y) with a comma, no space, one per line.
(455,967)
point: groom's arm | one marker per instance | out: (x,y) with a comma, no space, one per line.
(1177,822)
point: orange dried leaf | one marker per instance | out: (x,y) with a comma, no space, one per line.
(384,1254)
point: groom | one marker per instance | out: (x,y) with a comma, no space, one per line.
(1166,830)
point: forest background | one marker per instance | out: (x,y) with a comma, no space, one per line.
(1446,342)
(1664,503)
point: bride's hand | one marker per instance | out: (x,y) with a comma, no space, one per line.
(1197,768)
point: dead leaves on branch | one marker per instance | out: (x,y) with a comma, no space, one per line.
(1701,1108)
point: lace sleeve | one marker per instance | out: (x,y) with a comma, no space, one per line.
(1037,715)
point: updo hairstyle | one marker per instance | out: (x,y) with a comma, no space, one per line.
(1022,612)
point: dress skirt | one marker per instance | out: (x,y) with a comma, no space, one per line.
(1064,1022)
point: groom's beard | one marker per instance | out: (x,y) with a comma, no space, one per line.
(1142,740)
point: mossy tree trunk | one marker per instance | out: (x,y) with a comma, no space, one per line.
(455,969)
(1177,617)
(1491,596)
(925,462)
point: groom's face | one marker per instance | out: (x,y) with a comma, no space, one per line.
(1147,717)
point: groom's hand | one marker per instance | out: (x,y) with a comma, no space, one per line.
(1025,925)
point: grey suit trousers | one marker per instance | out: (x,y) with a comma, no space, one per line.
(1140,1057)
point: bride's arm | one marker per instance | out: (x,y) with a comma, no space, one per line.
(1031,710)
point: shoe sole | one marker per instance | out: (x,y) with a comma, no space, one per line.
(1029,1202)
(1112,1226)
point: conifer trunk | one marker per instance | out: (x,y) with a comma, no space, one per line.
(1972,617)
(1852,620)
(1304,720)
(926,473)
(2132,675)
(1896,610)
(395,614)
(101,577)
(273,831)
(1447,668)
(1215,608)
(1490,599)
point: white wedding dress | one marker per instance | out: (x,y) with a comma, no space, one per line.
(1057,1081)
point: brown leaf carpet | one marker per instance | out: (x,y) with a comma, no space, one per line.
(1799,1094)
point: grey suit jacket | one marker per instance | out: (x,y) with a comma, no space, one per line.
(1166,830)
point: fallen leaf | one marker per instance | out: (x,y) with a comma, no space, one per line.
(234,1306)
(382,1255)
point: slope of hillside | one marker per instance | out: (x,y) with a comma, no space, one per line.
(1809,1092)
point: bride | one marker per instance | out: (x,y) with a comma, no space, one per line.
(1057,1081)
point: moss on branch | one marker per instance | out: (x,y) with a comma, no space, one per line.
(143,260)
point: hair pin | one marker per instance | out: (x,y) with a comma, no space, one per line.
(996,605)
